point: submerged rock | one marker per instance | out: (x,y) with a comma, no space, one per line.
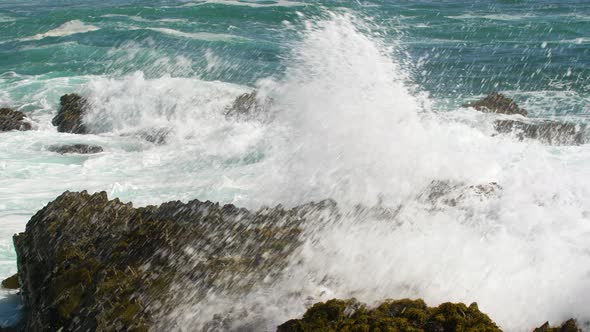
(548,132)
(11,282)
(569,326)
(76,148)
(13,120)
(157,136)
(69,118)
(497,103)
(400,315)
(89,263)
(248,106)
(440,193)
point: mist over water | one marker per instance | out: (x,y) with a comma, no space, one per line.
(348,121)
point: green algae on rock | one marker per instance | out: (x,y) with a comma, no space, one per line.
(399,315)
(568,326)
(89,263)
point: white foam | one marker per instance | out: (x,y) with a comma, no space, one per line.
(208,36)
(67,29)
(277,3)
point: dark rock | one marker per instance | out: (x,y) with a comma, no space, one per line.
(70,117)
(75,148)
(548,132)
(157,136)
(569,326)
(13,120)
(497,103)
(87,263)
(11,282)
(400,315)
(248,106)
(447,193)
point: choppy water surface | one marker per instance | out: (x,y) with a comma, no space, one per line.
(366,109)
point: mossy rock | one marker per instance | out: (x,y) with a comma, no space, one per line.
(90,263)
(400,315)
(568,326)
(11,282)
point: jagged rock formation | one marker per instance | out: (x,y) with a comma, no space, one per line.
(87,263)
(11,282)
(548,132)
(497,103)
(69,118)
(568,326)
(75,148)
(13,120)
(400,315)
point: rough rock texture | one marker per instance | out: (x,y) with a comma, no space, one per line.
(11,282)
(87,263)
(13,120)
(400,315)
(69,118)
(440,194)
(497,103)
(75,148)
(249,106)
(548,132)
(568,326)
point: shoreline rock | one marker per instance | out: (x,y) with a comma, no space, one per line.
(497,103)
(69,118)
(76,148)
(13,120)
(89,263)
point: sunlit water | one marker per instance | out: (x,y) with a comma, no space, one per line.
(366,109)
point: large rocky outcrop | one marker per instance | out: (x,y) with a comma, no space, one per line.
(69,118)
(89,263)
(497,103)
(13,120)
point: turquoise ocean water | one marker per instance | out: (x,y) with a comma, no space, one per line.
(367,101)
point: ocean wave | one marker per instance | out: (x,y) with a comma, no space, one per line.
(207,36)
(66,29)
(279,3)
(494,17)
(141,19)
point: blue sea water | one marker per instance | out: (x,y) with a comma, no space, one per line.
(362,79)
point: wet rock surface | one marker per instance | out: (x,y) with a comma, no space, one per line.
(11,282)
(76,148)
(443,193)
(548,132)
(89,263)
(497,103)
(400,315)
(249,106)
(13,120)
(69,118)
